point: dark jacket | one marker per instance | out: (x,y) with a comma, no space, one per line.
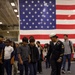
(34,54)
(40,55)
(56,51)
(2,46)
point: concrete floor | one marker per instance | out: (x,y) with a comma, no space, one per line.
(47,71)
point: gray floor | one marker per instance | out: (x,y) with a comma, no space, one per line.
(47,71)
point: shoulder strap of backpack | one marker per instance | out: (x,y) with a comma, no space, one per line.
(70,45)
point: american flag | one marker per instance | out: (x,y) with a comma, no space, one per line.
(39,18)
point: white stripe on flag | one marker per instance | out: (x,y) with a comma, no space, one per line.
(65,2)
(65,12)
(43,41)
(65,21)
(57,31)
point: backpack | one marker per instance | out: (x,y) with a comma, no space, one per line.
(70,46)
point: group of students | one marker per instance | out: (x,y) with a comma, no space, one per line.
(8,56)
(29,56)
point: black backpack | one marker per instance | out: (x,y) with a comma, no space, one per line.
(70,46)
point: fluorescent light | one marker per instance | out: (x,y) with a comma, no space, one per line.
(13,4)
(17,15)
(15,10)
(1,23)
(7,31)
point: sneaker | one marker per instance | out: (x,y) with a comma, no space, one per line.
(63,72)
(68,71)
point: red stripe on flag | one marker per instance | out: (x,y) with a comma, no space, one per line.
(65,26)
(71,36)
(67,17)
(36,36)
(65,7)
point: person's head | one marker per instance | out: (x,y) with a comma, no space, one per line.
(31,37)
(65,36)
(38,43)
(1,38)
(46,45)
(32,42)
(13,45)
(53,37)
(17,45)
(8,42)
(24,40)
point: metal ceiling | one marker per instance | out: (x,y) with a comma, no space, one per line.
(7,15)
(9,19)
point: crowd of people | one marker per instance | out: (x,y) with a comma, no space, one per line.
(26,57)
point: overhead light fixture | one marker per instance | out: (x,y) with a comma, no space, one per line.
(1,23)
(13,4)
(17,15)
(15,10)
(8,32)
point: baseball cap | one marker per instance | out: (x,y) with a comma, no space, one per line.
(53,35)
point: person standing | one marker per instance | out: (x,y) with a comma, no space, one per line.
(2,45)
(15,60)
(34,57)
(8,56)
(45,51)
(39,63)
(55,52)
(24,56)
(68,49)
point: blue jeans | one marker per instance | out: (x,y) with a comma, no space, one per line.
(8,66)
(1,69)
(47,63)
(24,66)
(33,68)
(68,57)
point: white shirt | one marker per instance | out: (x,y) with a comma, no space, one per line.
(45,50)
(55,43)
(39,50)
(7,52)
(67,49)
